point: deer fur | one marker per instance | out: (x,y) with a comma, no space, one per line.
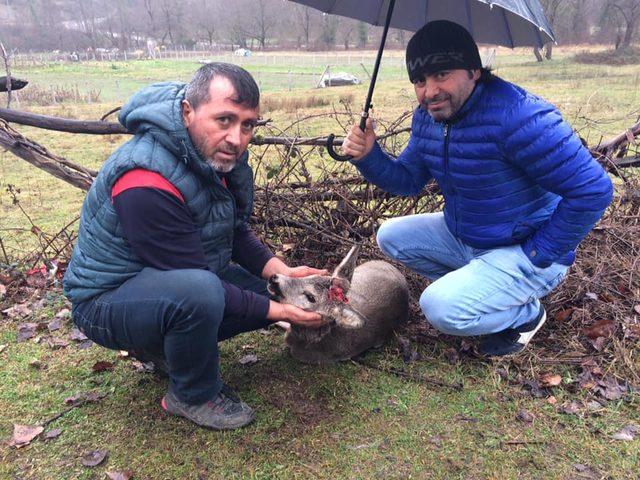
(363,306)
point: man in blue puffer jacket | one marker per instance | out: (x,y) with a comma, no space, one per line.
(520,190)
(166,264)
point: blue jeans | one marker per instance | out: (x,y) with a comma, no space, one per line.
(473,291)
(175,313)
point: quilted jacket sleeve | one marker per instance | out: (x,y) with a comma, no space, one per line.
(545,147)
(405,175)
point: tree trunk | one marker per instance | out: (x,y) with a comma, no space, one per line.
(628,35)
(536,52)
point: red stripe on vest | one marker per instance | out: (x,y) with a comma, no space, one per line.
(139,177)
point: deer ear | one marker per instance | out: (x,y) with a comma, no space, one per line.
(350,318)
(339,284)
(348,264)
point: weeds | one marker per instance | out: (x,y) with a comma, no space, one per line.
(34,95)
(629,56)
(272,103)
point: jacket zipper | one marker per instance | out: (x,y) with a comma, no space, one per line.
(225,187)
(447,131)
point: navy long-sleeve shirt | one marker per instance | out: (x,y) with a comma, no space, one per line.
(161,231)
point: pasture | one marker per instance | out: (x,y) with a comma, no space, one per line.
(339,421)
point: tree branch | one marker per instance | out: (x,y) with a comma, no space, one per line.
(68,125)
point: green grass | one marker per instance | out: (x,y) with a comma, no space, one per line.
(341,421)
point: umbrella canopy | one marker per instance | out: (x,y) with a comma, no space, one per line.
(510,23)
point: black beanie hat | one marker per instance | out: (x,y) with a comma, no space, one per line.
(441,45)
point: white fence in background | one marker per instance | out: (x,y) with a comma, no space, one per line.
(289,58)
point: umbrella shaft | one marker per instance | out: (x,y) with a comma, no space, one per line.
(374,76)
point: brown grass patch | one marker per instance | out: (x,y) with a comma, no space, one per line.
(271,103)
(629,56)
(33,95)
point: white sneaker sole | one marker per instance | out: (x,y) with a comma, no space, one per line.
(526,337)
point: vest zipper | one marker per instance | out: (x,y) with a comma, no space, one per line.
(225,187)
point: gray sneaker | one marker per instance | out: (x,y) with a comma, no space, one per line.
(225,412)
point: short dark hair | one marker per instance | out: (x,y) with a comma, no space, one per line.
(247,92)
(485,75)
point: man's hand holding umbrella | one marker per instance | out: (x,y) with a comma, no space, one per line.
(358,144)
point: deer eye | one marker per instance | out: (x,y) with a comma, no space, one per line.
(310,297)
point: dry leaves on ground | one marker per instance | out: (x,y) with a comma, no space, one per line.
(94,458)
(23,435)
(627,434)
(119,475)
(550,380)
(102,366)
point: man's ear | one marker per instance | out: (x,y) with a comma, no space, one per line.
(475,74)
(187,113)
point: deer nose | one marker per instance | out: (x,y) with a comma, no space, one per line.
(273,287)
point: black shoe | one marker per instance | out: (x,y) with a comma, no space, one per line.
(226,411)
(511,340)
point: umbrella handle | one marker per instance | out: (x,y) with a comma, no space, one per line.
(330,139)
(332,153)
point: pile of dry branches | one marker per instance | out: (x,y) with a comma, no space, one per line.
(310,209)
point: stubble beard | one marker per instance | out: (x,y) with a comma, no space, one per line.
(443,114)
(222,166)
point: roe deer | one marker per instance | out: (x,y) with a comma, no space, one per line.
(363,305)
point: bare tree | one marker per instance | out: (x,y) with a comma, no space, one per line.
(151,15)
(264,18)
(86,10)
(76,24)
(304,17)
(363,34)
(329,29)
(625,14)
(553,9)
(171,21)
(346,30)
(235,28)
(401,37)
(206,16)
(6,57)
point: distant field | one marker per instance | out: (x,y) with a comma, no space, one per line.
(579,90)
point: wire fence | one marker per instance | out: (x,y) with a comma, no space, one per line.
(243,57)
(273,71)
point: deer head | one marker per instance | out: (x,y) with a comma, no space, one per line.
(327,295)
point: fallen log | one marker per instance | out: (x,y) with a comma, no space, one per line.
(61,124)
(618,142)
(90,127)
(16,83)
(99,127)
(40,157)
(607,153)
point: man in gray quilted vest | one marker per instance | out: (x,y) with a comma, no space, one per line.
(520,192)
(166,264)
